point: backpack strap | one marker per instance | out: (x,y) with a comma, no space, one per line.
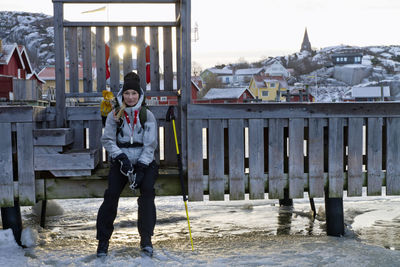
(143,115)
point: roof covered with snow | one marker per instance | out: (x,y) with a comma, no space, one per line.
(225,93)
(6,53)
(372,91)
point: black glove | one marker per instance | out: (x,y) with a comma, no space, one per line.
(126,165)
(140,169)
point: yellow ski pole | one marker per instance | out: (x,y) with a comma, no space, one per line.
(171,117)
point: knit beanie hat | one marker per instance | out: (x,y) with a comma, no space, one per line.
(132,81)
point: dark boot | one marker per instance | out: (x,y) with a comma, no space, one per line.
(102,248)
(146,246)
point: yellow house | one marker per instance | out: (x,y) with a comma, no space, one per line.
(266,88)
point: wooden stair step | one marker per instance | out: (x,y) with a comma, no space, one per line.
(71,173)
(53,137)
(70,160)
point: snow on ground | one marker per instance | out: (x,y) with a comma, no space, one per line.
(235,233)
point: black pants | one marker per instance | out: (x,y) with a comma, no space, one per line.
(146,206)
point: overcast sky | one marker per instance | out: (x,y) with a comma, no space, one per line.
(255,29)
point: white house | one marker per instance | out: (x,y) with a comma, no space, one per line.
(276,69)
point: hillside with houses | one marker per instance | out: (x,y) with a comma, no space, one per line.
(331,74)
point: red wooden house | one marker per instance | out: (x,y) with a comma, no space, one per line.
(173,100)
(15,70)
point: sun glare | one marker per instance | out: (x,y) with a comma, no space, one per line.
(121,51)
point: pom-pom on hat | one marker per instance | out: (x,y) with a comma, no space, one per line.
(131,81)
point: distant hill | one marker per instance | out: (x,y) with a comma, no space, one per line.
(34,31)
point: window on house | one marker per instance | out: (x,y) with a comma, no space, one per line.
(264,93)
(163,98)
(153,98)
(272,85)
(345,59)
(227,79)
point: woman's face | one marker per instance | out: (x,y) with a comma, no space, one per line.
(131,97)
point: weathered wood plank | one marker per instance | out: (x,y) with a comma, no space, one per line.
(236,159)
(141,56)
(119,1)
(114,60)
(26,175)
(154,60)
(316,157)
(67,161)
(79,134)
(185,69)
(6,170)
(100,59)
(374,156)
(168,71)
(15,114)
(216,160)
(195,161)
(276,179)
(256,159)
(296,158)
(60,63)
(393,156)
(72,44)
(47,149)
(120,23)
(293,110)
(169,144)
(355,157)
(95,132)
(127,60)
(335,157)
(71,173)
(87,59)
(83,113)
(53,137)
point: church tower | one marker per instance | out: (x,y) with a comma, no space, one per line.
(306,45)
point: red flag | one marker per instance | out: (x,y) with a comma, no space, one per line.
(147,64)
(107,59)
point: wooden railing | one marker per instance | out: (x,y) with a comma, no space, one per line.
(299,147)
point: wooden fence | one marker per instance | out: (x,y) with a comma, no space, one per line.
(299,147)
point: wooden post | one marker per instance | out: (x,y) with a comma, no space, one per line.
(296,158)
(60,63)
(72,42)
(276,178)
(195,161)
(334,216)
(236,159)
(216,160)
(6,170)
(26,174)
(11,218)
(185,69)
(256,159)
(355,137)
(100,59)
(87,59)
(114,60)
(316,157)
(154,60)
(127,41)
(374,156)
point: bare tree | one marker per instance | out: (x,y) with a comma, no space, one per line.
(210,81)
(196,68)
